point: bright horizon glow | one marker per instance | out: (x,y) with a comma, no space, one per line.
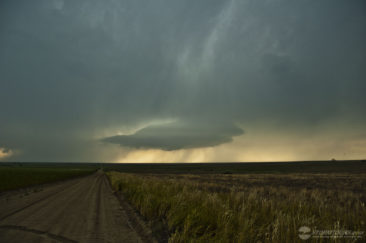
(264,145)
(5,153)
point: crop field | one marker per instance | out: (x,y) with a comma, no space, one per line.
(14,176)
(256,207)
(350,166)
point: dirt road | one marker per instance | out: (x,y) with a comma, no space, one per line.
(79,210)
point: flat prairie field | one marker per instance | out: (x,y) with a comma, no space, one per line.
(254,207)
(15,176)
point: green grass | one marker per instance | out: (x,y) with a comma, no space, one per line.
(14,177)
(245,208)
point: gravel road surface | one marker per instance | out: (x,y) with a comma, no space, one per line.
(78,210)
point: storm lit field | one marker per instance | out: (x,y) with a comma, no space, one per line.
(17,175)
(247,207)
(203,202)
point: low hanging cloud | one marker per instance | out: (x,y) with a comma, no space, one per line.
(178,135)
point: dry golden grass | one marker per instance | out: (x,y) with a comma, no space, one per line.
(246,208)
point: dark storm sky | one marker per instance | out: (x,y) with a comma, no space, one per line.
(89,80)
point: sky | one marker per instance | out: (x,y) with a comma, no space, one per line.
(182,81)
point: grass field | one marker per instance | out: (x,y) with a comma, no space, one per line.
(355,166)
(14,176)
(245,207)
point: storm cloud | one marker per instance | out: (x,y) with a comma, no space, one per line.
(178,135)
(78,76)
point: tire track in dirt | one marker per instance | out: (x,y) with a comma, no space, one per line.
(38,232)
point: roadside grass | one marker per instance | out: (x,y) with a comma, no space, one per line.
(13,177)
(246,208)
